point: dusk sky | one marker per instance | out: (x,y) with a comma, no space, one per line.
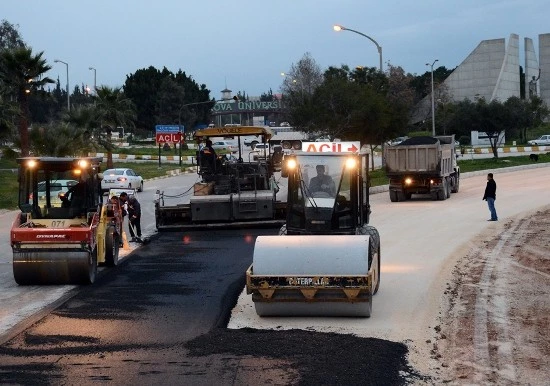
(245,45)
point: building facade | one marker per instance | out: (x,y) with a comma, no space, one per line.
(492,71)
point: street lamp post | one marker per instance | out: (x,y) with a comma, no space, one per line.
(95,86)
(433,97)
(68,96)
(339,28)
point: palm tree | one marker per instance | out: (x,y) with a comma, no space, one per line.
(8,110)
(59,140)
(22,72)
(86,118)
(114,110)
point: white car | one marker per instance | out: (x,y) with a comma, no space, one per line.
(542,140)
(224,145)
(121,178)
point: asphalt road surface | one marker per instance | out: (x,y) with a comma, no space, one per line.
(159,318)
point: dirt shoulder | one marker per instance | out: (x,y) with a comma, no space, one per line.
(494,328)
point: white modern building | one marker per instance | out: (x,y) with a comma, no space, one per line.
(492,71)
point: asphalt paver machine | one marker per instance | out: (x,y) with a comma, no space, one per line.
(64,229)
(326,259)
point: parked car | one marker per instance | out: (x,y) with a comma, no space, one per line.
(542,140)
(121,178)
(224,145)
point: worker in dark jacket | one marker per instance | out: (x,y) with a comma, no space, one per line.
(490,196)
(134,216)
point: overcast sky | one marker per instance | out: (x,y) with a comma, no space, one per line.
(247,44)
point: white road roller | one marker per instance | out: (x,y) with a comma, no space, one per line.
(326,260)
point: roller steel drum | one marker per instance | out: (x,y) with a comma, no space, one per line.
(60,266)
(327,255)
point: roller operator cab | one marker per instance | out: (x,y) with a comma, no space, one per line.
(64,229)
(326,260)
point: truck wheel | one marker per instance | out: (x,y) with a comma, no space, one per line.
(442,194)
(297,145)
(456,185)
(448,187)
(286,145)
(393,196)
(408,196)
(401,196)
(112,246)
(435,195)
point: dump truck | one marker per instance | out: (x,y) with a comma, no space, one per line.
(422,165)
(326,259)
(235,191)
(64,229)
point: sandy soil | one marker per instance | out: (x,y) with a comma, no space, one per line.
(495,328)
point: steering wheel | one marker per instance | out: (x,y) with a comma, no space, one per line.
(320,194)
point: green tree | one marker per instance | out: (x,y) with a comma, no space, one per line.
(9,36)
(22,73)
(114,110)
(174,98)
(267,96)
(58,140)
(8,111)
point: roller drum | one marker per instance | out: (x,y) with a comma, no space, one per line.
(312,255)
(54,267)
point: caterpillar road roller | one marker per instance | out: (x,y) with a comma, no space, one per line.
(64,229)
(326,259)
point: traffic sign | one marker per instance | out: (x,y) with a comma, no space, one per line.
(169,133)
(331,147)
(168,137)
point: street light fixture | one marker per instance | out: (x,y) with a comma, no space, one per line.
(94,70)
(433,100)
(68,96)
(284,74)
(339,28)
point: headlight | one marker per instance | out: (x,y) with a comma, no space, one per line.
(291,163)
(408,181)
(351,163)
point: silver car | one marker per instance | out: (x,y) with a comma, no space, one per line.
(542,140)
(121,178)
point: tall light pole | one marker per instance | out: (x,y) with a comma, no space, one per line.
(339,28)
(433,100)
(68,96)
(94,70)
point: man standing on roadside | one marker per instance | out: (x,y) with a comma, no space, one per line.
(490,196)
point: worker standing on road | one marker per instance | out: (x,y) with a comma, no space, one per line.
(490,196)
(134,216)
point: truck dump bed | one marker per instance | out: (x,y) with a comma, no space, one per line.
(420,155)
